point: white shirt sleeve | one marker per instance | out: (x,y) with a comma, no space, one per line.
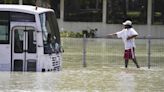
(119,34)
(133,32)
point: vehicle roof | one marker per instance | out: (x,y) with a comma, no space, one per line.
(23,8)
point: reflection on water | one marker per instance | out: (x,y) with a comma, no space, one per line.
(127,82)
(106,79)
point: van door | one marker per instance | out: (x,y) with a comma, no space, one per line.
(24,56)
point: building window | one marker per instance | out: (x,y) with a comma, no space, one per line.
(29,2)
(9,1)
(1,1)
(55,5)
(120,10)
(158,12)
(83,10)
(4,27)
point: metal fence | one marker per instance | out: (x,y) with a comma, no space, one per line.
(103,52)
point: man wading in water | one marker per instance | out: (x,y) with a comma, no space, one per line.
(128,35)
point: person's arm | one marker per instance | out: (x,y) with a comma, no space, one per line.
(133,34)
(116,34)
(131,37)
(113,34)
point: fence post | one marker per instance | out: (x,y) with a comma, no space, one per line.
(149,51)
(84,50)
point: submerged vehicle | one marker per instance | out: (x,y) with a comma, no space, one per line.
(29,39)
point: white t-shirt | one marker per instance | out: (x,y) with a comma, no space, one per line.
(124,34)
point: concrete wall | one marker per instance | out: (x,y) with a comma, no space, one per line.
(156,31)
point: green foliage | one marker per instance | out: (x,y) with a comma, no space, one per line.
(71,34)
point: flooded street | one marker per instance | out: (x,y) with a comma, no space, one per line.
(105,79)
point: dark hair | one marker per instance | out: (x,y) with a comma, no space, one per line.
(128,26)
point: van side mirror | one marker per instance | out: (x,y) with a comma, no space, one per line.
(61,50)
(58,48)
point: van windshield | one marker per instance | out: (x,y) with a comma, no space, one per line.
(50,29)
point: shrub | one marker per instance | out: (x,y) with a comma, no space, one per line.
(71,34)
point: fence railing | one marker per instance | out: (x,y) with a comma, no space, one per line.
(103,52)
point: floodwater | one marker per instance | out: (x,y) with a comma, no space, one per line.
(104,79)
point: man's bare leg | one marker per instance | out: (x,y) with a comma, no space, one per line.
(126,63)
(135,61)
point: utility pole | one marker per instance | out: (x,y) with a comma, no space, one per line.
(149,22)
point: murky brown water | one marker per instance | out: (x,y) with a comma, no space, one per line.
(105,79)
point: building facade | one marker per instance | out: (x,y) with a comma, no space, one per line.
(105,15)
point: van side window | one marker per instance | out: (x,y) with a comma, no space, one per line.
(22,17)
(4,27)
